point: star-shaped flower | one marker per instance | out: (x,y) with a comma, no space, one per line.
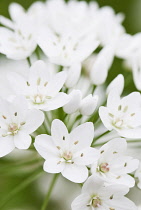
(96,196)
(40,88)
(123,114)
(114,165)
(68,153)
(17,41)
(16,123)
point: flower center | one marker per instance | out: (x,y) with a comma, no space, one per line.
(96,202)
(13,128)
(39,99)
(104,167)
(119,123)
(67,156)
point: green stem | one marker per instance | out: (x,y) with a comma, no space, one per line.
(20,187)
(29,61)
(128,141)
(45,203)
(95,139)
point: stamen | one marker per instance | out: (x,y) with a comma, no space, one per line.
(38,81)
(27,83)
(125,108)
(4,117)
(15,113)
(119,107)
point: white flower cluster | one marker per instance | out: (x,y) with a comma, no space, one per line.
(61,98)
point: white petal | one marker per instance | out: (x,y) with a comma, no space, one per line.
(6,145)
(117,83)
(22,140)
(131,133)
(75,173)
(74,102)
(125,180)
(82,136)
(18,83)
(45,146)
(104,115)
(117,190)
(86,156)
(16,11)
(88,105)
(58,101)
(122,203)
(93,185)
(39,69)
(6,22)
(59,132)
(53,165)
(33,120)
(102,65)
(74,72)
(113,100)
(55,84)
(117,145)
(81,202)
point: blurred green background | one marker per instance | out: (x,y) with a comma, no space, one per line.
(31,197)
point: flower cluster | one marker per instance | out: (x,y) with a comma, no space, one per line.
(63,107)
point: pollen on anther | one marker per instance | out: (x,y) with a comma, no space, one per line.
(125,164)
(45,84)
(38,81)
(58,147)
(111,197)
(76,142)
(119,107)
(125,108)
(82,154)
(27,83)
(4,117)
(15,113)
(63,137)
(111,115)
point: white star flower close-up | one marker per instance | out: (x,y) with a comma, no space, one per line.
(68,153)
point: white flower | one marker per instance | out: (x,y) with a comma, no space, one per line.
(138,175)
(109,27)
(101,65)
(64,38)
(85,106)
(40,89)
(117,83)
(17,41)
(74,73)
(67,153)
(114,165)
(16,123)
(129,48)
(96,196)
(123,114)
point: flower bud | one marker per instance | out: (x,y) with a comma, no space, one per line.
(73,74)
(74,103)
(88,105)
